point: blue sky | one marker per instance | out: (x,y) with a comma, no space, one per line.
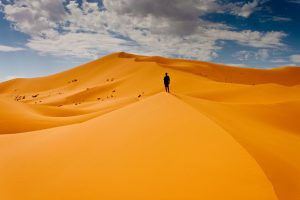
(41,37)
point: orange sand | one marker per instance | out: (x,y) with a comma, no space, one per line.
(107,130)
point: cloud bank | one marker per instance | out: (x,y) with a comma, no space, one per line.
(166,27)
(4,48)
(295,58)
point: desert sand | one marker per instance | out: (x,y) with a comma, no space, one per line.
(107,130)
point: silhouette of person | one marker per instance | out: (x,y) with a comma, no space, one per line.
(167,82)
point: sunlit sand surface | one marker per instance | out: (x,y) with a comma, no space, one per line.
(107,130)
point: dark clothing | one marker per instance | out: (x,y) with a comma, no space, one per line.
(167,80)
(167,83)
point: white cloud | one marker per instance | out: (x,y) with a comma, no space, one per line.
(249,38)
(278,60)
(291,64)
(237,65)
(80,45)
(4,48)
(262,54)
(167,28)
(246,10)
(295,58)
(294,1)
(281,19)
(34,17)
(243,55)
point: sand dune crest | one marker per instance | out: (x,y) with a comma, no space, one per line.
(106,130)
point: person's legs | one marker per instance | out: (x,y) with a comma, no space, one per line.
(167,88)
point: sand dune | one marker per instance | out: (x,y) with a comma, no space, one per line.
(106,130)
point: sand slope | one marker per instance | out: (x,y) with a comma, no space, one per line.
(114,157)
(106,130)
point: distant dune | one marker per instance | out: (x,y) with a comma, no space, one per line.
(107,130)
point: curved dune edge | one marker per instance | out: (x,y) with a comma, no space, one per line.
(18,118)
(163,155)
(267,132)
(284,76)
(258,108)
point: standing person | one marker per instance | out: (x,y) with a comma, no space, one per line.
(167,82)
